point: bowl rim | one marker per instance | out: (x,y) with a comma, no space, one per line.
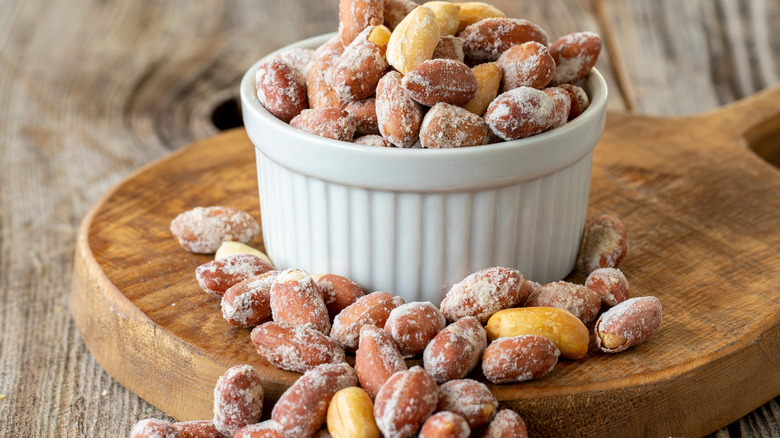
(554,149)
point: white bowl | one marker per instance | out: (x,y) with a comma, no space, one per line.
(415,221)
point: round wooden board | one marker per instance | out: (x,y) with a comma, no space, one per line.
(702,211)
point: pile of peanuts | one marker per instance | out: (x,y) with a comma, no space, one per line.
(399,74)
(512,328)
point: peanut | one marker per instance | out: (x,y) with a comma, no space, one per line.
(447,15)
(351,414)
(565,330)
(413,40)
(231,247)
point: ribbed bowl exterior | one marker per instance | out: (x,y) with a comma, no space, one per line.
(417,245)
(413,222)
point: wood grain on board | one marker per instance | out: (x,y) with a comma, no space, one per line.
(92,90)
(701,209)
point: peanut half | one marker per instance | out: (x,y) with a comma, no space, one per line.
(351,414)
(565,330)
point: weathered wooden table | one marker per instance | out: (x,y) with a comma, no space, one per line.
(90,91)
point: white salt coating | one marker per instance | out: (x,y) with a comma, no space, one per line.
(249,430)
(561,106)
(372,309)
(398,115)
(413,325)
(298,348)
(381,366)
(456,350)
(296,299)
(219,275)
(320,94)
(300,59)
(302,408)
(396,10)
(398,414)
(605,244)
(243,309)
(506,424)
(634,320)
(450,126)
(280,88)
(364,113)
(470,399)
(154,428)
(610,283)
(519,113)
(373,141)
(359,69)
(519,358)
(578,300)
(203,229)
(487,39)
(482,293)
(334,123)
(445,421)
(238,399)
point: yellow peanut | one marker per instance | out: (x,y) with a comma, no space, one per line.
(447,15)
(379,35)
(471,12)
(565,330)
(413,40)
(230,247)
(488,81)
(351,415)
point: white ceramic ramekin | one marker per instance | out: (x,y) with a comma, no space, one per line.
(415,221)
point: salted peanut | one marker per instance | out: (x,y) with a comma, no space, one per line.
(627,324)
(218,276)
(203,229)
(447,15)
(405,401)
(575,55)
(456,350)
(445,425)
(338,292)
(377,358)
(280,89)
(470,399)
(380,35)
(413,325)
(397,10)
(319,91)
(505,424)
(450,126)
(296,299)
(483,293)
(578,300)
(471,12)
(561,105)
(238,399)
(579,100)
(154,428)
(610,284)
(364,113)
(449,47)
(231,247)
(528,64)
(265,429)
(302,409)
(441,80)
(374,140)
(413,40)
(605,243)
(519,113)
(334,123)
(372,309)
(297,348)
(351,414)
(248,304)
(356,15)
(488,77)
(197,429)
(487,39)
(300,58)
(519,358)
(565,330)
(359,69)
(398,115)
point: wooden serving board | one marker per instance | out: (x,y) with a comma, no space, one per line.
(703,213)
